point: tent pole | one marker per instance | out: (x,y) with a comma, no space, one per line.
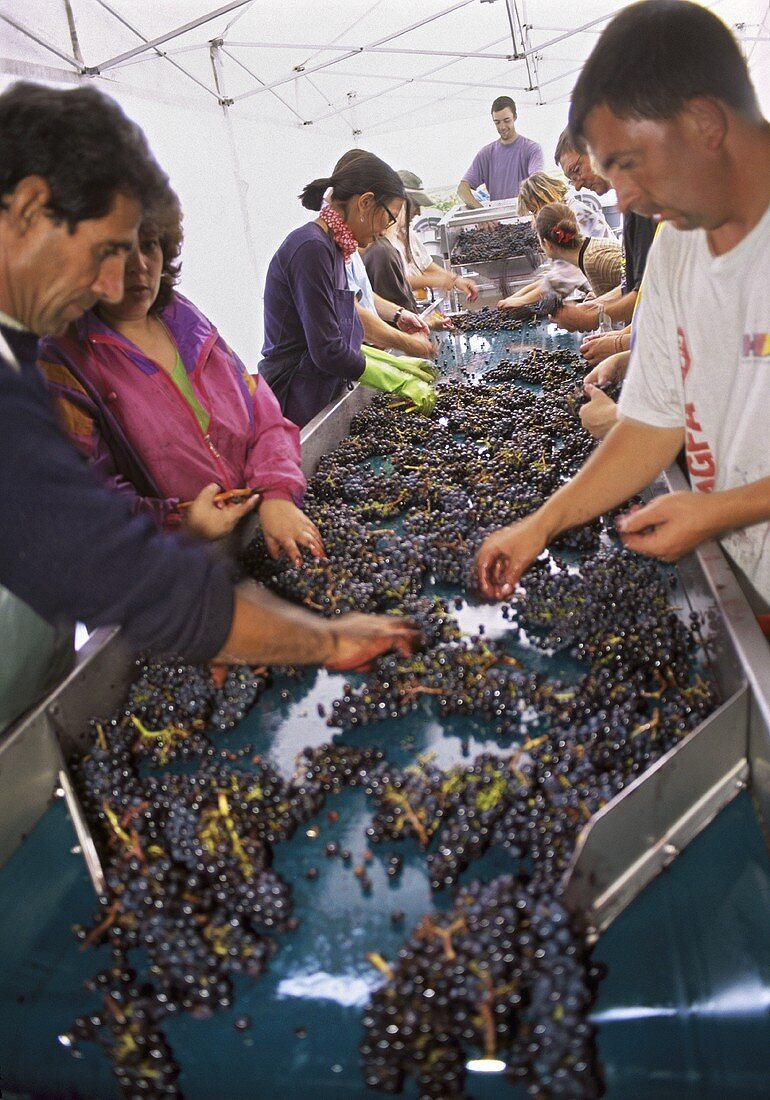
(253,75)
(73,33)
(159,53)
(111,62)
(40,41)
(240,183)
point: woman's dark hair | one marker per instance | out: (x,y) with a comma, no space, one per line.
(358,174)
(556,223)
(410,209)
(164,220)
(83,146)
(654,57)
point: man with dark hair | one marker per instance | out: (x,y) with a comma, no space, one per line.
(679,135)
(110,154)
(504,164)
(71,550)
(574,159)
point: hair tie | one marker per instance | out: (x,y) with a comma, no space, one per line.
(562,236)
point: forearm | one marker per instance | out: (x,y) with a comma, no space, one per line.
(630,457)
(379,334)
(435,277)
(386,309)
(613,295)
(622,309)
(465,195)
(729,509)
(528,295)
(268,630)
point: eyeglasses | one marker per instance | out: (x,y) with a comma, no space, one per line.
(393,219)
(575,170)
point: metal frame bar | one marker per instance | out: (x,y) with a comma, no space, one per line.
(112,62)
(237,61)
(407,51)
(23,30)
(158,53)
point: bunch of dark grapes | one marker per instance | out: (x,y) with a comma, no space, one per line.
(128,1028)
(502,975)
(486,319)
(467,677)
(188,869)
(498,243)
(170,706)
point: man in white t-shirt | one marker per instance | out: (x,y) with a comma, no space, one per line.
(680,135)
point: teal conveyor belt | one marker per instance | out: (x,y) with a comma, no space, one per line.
(682,1015)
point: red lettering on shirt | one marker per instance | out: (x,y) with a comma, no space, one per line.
(689,417)
(684,354)
(700,461)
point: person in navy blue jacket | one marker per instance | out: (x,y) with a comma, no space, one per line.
(75,177)
(313,335)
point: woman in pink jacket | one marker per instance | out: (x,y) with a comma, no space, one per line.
(166,413)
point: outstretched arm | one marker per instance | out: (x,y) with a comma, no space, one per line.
(268,630)
(465,195)
(673,525)
(631,456)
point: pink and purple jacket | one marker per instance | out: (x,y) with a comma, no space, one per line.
(142,437)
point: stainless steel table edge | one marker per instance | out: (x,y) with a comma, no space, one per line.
(636,835)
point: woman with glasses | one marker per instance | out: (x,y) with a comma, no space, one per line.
(313,334)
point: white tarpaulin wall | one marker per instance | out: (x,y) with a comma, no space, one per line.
(245,103)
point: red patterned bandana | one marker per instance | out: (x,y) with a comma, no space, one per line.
(340,231)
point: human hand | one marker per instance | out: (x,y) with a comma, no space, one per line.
(511,302)
(286,528)
(599,346)
(419,345)
(469,289)
(505,554)
(669,526)
(409,322)
(359,639)
(439,322)
(599,414)
(612,369)
(576,318)
(207,518)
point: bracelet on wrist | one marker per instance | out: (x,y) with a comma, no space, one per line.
(397,316)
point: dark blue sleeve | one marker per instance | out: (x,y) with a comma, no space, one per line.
(311,276)
(72,550)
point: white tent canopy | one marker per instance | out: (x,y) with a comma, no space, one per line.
(246,102)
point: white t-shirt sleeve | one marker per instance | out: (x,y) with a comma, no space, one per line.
(422,259)
(652,392)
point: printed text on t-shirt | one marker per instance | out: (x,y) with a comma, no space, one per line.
(700,461)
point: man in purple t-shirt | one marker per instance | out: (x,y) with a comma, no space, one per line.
(505,163)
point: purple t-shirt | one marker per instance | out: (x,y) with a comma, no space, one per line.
(503,168)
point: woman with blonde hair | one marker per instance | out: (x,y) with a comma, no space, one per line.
(540,189)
